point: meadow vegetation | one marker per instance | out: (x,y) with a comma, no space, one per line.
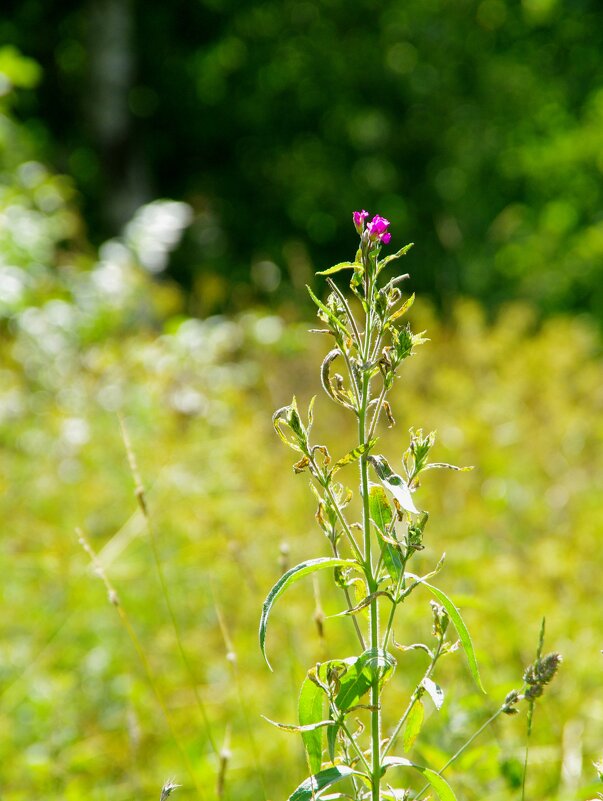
(520,401)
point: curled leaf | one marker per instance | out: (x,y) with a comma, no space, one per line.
(291,576)
(293,727)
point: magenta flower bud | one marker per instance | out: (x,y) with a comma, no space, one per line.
(359,217)
(377,229)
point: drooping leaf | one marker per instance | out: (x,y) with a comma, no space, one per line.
(293,727)
(413,725)
(291,576)
(367,601)
(381,514)
(439,784)
(461,630)
(394,483)
(343,265)
(435,692)
(314,785)
(310,709)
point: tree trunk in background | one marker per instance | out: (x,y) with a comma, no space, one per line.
(111,80)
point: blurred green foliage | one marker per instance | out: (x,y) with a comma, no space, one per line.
(474,126)
(522,403)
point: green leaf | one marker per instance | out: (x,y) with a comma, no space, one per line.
(413,725)
(461,630)
(314,786)
(353,455)
(403,251)
(394,483)
(293,727)
(446,466)
(289,578)
(332,318)
(381,514)
(402,310)
(343,265)
(435,692)
(439,784)
(310,709)
(359,678)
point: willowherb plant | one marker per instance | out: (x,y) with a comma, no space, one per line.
(373,553)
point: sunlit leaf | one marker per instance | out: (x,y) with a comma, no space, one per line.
(353,455)
(310,709)
(294,727)
(291,576)
(384,262)
(381,514)
(372,664)
(413,725)
(343,265)
(394,483)
(439,784)
(402,310)
(314,785)
(435,692)
(461,629)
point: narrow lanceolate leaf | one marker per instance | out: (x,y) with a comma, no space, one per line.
(384,262)
(381,514)
(446,466)
(435,692)
(394,483)
(353,455)
(310,709)
(315,785)
(310,727)
(343,265)
(289,578)
(402,310)
(413,725)
(439,784)
(461,630)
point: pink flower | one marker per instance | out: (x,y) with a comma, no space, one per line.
(377,229)
(359,217)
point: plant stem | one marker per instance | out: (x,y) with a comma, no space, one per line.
(368,567)
(346,592)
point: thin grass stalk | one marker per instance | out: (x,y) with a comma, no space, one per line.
(144,507)
(115,601)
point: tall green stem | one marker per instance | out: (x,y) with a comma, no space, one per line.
(368,566)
